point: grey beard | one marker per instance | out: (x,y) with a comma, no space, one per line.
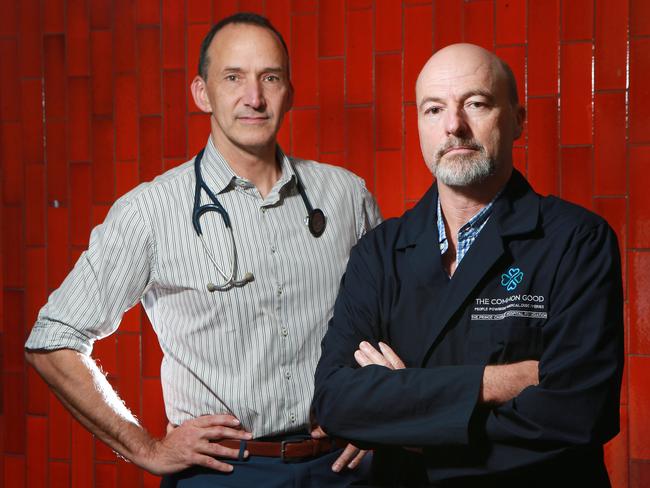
(463,170)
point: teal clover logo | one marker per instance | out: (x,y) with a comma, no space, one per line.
(512,278)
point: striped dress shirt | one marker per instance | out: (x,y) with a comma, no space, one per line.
(249,351)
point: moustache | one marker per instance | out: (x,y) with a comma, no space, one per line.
(454,143)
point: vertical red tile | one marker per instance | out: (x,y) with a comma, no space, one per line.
(478,23)
(151,352)
(418,176)
(173,35)
(639,197)
(616,455)
(32,120)
(14,471)
(198,130)
(280,16)
(639,473)
(639,337)
(510,22)
(106,475)
(12,244)
(101,55)
(124,36)
(543,171)
(418,39)
(388,26)
(103,168)
(37,391)
(388,108)
(130,476)
(149,75)
(36,458)
(82,457)
(150,147)
(639,17)
(305,133)
(304,60)
(57,166)
(14,337)
(57,246)
(34,205)
(147,12)
(101,14)
(77,38)
(610,44)
(358,4)
(575,94)
(99,213)
(609,144)
(54,16)
(9,19)
(639,370)
(360,144)
(331,28)
(577,175)
(252,6)
(9,105)
(78,127)
(174,111)
(304,6)
(614,210)
(198,12)
(80,203)
(577,20)
(54,88)
(31,40)
(332,116)
(390,183)
(519,159)
(639,108)
(59,433)
(126,118)
(128,370)
(284,134)
(59,473)
(153,409)
(195,35)
(543,42)
(358,66)
(12,167)
(126,177)
(15,428)
(448,23)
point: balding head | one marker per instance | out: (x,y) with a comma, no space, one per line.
(468,115)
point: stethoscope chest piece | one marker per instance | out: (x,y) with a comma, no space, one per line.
(316,222)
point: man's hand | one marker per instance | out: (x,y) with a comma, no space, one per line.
(350,457)
(501,383)
(194,443)
(367,355)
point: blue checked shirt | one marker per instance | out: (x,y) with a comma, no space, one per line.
(467,233)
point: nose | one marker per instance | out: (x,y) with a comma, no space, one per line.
(455,123)
(254,95)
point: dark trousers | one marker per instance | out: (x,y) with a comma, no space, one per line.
(268,472)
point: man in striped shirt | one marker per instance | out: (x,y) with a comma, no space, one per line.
(239,356)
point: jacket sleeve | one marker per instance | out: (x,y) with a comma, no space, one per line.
(375,405)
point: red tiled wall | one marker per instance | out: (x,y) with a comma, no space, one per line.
(94,99)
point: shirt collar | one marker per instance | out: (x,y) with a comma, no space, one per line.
(220,177)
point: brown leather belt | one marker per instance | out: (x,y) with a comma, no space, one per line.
(286,450)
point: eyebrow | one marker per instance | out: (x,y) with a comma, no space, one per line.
(268,69)
(464,96)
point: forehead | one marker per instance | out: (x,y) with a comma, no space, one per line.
(456,77)
(242,44)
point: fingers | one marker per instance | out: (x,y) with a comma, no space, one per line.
(211,420)
(390,355)
(347,456)
(318,433)
(357,459)
(373,355)
(212,463)
(361,359)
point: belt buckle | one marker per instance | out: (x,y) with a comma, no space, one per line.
(283,449)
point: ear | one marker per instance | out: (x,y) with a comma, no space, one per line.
(200,94)
(520,118)
(290,97)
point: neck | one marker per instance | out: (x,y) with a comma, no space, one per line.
(260,167)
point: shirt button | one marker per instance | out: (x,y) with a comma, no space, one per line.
(292,417)
(284,331)
(287,375)
(279,291)
(263,209)
(273,249)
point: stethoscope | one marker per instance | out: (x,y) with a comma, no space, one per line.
(315,222)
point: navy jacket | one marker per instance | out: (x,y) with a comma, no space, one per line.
(542,281)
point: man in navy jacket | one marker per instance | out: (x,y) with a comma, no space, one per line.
(478,339)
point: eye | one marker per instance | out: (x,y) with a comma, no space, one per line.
(434,110)
(272,78)
(477,104)
(231,77)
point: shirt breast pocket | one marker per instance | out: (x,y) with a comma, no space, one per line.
(503,343)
